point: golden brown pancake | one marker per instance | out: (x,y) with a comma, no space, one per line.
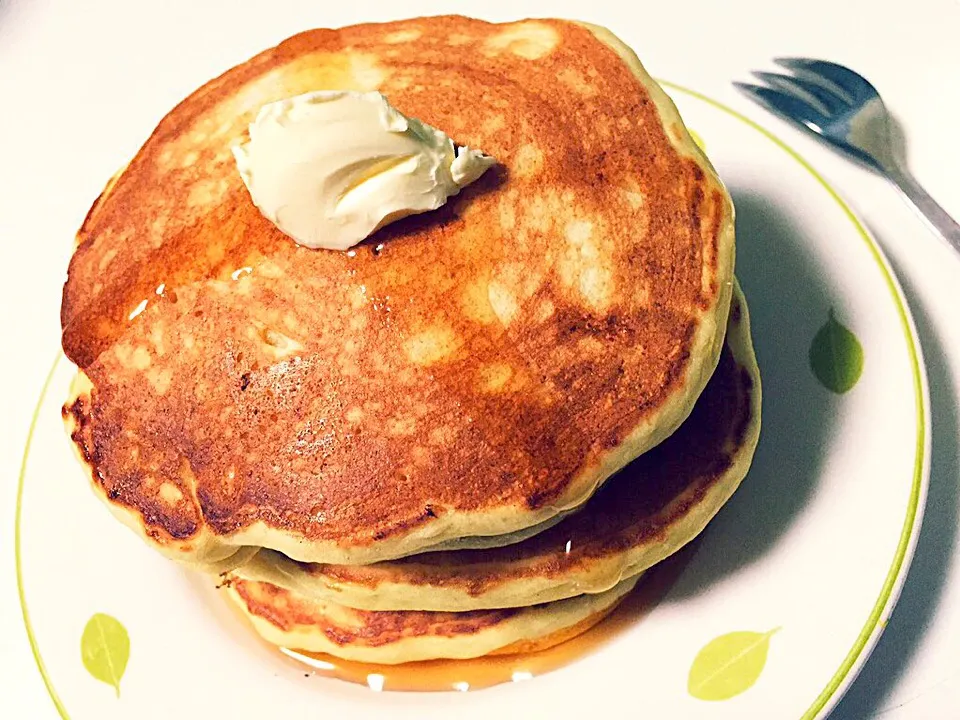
(288,620)
(468,373)
(648,511)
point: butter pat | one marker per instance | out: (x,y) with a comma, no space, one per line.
(331,167)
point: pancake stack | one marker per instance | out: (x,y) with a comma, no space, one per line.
(470,434)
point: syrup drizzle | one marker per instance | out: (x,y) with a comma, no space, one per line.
(484,672)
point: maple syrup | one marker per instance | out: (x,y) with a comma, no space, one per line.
(484,672)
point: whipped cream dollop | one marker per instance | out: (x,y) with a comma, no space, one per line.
(331,167)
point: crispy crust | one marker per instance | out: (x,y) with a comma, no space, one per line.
(288,620)
(485,371)
(654,506)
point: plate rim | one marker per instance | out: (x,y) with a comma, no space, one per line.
(897,572)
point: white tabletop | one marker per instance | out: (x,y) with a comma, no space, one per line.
(80,90)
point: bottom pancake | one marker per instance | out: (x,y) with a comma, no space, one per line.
(286,619)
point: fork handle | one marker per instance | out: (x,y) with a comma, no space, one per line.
(936,217)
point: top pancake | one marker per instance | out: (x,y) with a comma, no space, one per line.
(469,372)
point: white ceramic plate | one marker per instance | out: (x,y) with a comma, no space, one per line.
(815,544)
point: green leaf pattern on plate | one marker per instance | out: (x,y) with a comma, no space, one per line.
(105,648)
(729,665)
(836,356)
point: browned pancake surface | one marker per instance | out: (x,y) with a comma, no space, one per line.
(287,611)
(485,356)
(635,508)
(288,620)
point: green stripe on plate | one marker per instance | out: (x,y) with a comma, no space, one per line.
(16,548)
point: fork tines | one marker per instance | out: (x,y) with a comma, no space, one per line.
(817,91)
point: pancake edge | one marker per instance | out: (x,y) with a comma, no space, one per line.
(530,624)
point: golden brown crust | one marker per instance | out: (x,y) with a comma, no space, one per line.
(648,511)
(637,510)
(635,507)
(288,620)
(370,628)
(485,359)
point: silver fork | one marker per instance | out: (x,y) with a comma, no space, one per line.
(842,108)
